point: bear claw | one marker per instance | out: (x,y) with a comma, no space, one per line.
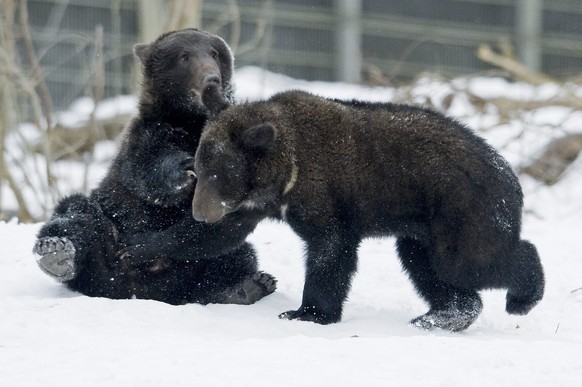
(56,257)
(266,280)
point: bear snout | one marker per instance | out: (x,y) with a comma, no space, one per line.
(207,206)
(211,79)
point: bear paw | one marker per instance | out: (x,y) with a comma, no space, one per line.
(452,319)
(299,314)
(182,176)
(252,289)
(309,314)
(56,257)
(521,306)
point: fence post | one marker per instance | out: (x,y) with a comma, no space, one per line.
(348,33)
(529,29)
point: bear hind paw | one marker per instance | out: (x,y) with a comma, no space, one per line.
(56,257)
(521,306)
(252,289)
(451,319)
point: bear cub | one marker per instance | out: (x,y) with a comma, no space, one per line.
(134,236)
(340,171)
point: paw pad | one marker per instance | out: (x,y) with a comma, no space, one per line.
(56,257)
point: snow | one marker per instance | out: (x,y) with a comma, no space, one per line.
(50,336)
(80,110)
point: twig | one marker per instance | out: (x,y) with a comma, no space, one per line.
(98,93)
(486,54)
(6,103)
(43,92)
(45,98)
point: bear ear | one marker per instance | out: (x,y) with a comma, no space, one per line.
(262,137)
(142,51)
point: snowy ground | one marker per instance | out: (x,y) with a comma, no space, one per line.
(50,336)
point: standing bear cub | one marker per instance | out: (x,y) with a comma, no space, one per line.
(338,172)
(141,210)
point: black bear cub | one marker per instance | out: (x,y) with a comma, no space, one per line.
(338,172)
(134,235)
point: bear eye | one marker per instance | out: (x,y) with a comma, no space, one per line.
(214,54)
(185,57)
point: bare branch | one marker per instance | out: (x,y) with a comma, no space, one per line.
(98,93)
(43,92)
(46,101)
(558,155)
(7,107)
(515,68)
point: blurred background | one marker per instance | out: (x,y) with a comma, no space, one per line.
(367,41)
(56,52)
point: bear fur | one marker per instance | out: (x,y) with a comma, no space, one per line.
(338,172)
(134,235)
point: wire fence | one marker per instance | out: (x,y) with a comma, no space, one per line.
(61,50)
(398,39)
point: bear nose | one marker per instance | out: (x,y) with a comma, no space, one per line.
(211,78)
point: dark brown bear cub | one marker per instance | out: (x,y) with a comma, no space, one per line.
(338,172)
(141,210)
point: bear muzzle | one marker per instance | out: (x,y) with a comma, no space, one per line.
(204,77)
(207,205)
(210,79)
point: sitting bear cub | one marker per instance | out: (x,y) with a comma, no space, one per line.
(141,211)
(338,172)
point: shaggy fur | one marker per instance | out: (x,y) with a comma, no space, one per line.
(339,172)
(134,236)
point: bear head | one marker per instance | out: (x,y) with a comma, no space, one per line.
(179,65)
(243,161)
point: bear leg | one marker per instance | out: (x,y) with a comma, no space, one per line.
(525,280)
(77,246)
(70,233)
(229,279)
(451,308)
(331,263)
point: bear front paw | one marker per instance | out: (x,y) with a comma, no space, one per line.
(182,176)
(56,257)
(309,314)
(136,254)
